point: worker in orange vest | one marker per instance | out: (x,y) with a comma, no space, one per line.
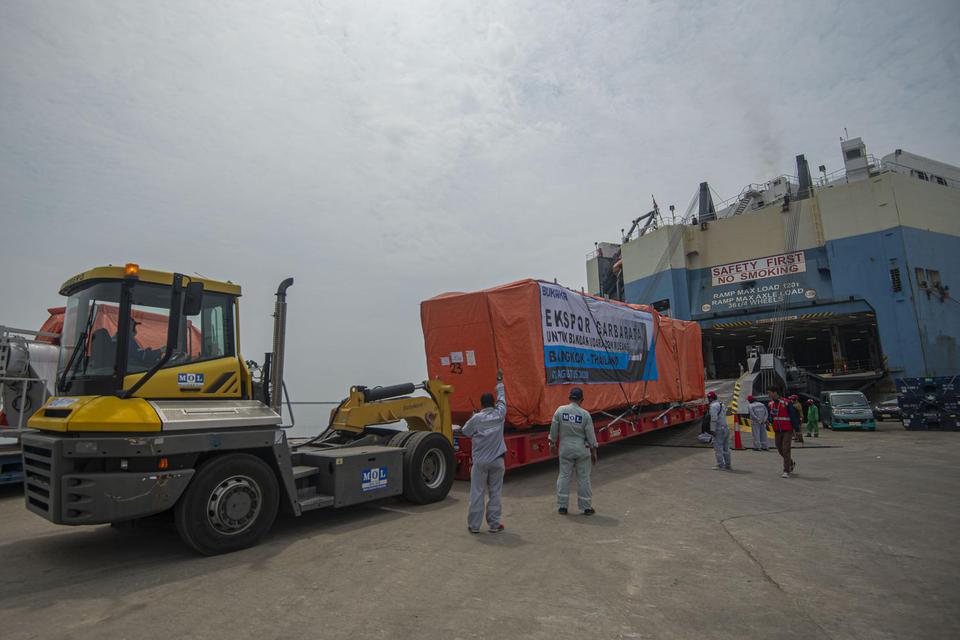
(779,411)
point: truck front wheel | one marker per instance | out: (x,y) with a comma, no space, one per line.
(230,504)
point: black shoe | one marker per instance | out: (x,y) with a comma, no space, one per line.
(562,511)
(588,512)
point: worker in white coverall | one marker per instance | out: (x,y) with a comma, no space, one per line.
(720,431)
(758,424)
(485,430)
(572,427)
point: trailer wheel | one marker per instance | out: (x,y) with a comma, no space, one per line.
(400,439)
(428,467)
(230,504)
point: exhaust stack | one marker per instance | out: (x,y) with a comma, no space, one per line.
(707,210)
(805,189)
(279,341)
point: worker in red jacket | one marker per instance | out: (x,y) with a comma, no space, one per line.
(782,428)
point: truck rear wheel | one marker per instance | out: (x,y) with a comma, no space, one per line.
(230,504)
(400,439)
(428,467)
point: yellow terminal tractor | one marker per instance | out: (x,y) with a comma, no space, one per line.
(156,410)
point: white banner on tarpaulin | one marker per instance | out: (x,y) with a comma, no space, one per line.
(586,340)
(783,264)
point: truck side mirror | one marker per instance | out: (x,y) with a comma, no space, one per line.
(193,301)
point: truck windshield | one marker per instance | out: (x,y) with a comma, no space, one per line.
(849,400)
(89,339)
(90,357)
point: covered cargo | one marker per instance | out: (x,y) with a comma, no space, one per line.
(548,339)
(151,327)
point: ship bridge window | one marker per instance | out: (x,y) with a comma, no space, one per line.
(922,175)
(941,180)
(928,278)
(853,154)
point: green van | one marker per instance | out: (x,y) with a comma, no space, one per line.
(846,410)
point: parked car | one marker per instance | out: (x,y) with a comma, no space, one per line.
(846,410)
(887,410)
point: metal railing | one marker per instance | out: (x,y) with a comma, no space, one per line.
(757,187)
(876,166)
(849,366)
(10,431)
(838,176)
(10,336)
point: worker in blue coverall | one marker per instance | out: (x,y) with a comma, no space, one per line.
(720,431)
(485,430)
(572,427)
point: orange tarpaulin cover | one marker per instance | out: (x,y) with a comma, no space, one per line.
(151,327)
(503,327)
(54,324)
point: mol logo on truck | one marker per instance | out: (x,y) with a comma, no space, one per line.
(189,380)
(373,479)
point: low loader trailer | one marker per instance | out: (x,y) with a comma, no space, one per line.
(155,412)
(530,446)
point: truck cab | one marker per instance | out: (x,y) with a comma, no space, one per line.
(846,410)
(115,330)
(154,411)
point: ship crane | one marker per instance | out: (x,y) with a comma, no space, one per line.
(651,221)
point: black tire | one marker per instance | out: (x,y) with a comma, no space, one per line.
(400,439)
(428,467)
(248,490)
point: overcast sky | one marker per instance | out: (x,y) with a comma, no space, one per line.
(382,153)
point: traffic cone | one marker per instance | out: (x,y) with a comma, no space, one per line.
(737,442)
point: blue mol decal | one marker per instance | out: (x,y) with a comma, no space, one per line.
(572,417)
(190,380)
(373,479)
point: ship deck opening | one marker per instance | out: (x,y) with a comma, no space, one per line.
(822,343)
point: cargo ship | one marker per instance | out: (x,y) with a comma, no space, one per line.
(845,276)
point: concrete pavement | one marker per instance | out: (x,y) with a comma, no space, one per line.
(860,544)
